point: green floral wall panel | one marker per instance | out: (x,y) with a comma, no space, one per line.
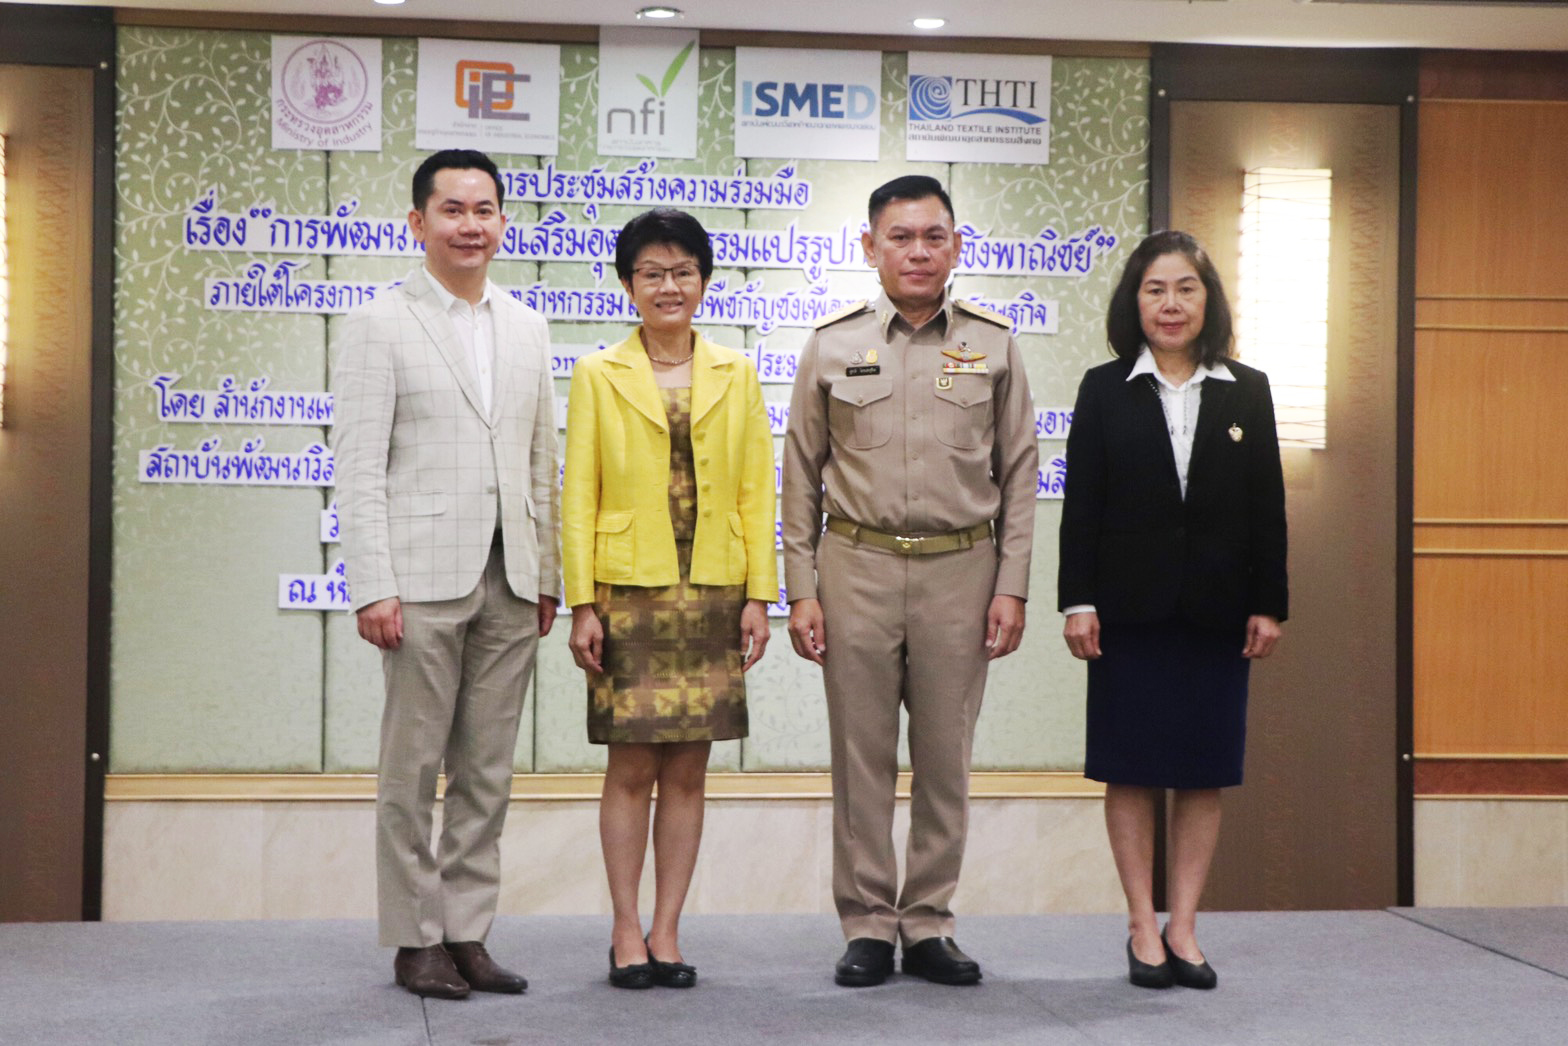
(208,675)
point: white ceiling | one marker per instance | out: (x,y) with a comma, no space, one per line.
(1278,22)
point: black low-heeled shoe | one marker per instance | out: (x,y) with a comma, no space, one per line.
(1148,975)
(632,975)
(670,974)
(1189,974)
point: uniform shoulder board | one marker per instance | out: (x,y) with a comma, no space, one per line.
(843,314)
(982,313)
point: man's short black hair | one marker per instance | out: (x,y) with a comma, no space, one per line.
(907,187)
(455,160)
(663,226)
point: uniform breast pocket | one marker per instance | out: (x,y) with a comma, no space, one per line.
(860,411)
(963,412)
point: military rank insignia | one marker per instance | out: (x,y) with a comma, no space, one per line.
(964,360)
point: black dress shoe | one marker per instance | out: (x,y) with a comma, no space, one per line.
(938,959)
(1189,974)
(429,972)
(670,974)
(483,973)
(866,962)
(1147,975)
(632,975)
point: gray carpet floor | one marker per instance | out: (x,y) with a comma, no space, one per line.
(1377,977)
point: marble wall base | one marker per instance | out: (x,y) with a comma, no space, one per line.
(315,859)
(1491,852)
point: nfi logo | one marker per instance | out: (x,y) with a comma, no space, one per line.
(648,119)
(816,101)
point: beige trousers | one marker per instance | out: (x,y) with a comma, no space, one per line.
(455,690)
(904,630)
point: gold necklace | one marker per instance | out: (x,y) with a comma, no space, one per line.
(670,363)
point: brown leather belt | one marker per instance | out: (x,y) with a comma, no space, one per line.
(923,545)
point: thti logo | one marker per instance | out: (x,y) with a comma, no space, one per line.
(487,90)
(954,97)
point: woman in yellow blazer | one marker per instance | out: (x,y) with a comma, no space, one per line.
(668,535)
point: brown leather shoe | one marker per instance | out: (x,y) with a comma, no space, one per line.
(481,971)
(429,972)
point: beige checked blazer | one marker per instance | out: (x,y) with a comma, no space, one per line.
(420,467)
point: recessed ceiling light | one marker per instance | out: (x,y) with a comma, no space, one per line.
(389,3)
(929,23)
(661,12)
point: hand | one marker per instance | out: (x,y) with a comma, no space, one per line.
(754,631)
(1262,633)
(548,606)
(1004,626)
(1082,632)
(807,633)
(381,623)
(587,639)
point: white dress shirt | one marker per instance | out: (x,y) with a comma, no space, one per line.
(475,326)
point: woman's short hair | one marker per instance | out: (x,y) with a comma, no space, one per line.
(666,226)
(1124,328)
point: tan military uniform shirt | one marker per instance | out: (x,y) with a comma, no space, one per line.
(880,435)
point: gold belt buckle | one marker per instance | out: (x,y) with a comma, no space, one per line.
(906,544)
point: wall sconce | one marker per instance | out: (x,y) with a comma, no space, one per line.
(1282,294)
(5,285)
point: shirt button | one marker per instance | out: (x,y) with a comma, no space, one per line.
(702,461)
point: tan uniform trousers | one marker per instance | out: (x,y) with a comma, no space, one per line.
(455,690)
(904,630)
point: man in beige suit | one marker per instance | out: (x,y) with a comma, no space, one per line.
(912,429)
(448,503)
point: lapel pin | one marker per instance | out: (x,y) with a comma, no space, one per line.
(1235,432)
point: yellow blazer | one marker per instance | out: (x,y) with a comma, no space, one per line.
(615,515)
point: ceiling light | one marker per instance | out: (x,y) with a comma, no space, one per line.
(661,12)
(389,3)
(929,23)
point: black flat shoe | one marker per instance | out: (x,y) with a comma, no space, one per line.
(939,959)
(632,975)
(866,962)
(1145,975)
(1189,974)
(670,974)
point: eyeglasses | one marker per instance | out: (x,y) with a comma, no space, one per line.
(653,275)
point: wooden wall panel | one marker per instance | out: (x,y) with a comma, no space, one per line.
(45,473)
(1490,208)
(1490,660)
(1489,425)
(1491,397)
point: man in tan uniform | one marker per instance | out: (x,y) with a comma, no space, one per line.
(911,427)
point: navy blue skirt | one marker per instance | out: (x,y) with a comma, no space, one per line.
(1167,707)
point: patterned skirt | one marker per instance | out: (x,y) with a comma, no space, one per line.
(672,660)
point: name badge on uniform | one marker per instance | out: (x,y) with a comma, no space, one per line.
(860,366)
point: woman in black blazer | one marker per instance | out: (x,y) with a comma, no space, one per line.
(1172,578)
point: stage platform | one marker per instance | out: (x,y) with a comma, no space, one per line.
(1416,976)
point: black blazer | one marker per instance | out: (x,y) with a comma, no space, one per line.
(1131,546)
